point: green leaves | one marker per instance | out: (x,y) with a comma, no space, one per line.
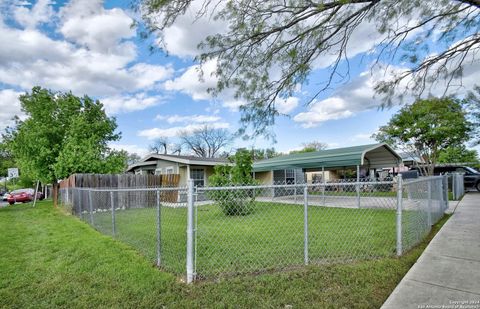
(427,127)
(63,134)
(234,202)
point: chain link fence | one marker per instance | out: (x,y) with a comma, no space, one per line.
(210,232)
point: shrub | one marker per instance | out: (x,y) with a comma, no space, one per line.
(234,202)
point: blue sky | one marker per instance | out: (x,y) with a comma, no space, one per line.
(88,47)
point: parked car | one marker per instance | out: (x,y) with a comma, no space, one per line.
(3,195)
(23,196)
(471,175)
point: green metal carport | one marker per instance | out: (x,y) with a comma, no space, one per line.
(372,156)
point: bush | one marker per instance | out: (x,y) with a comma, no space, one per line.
(234,202)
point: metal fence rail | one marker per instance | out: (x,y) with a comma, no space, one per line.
(222,231)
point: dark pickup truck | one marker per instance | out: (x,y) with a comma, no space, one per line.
(471,178)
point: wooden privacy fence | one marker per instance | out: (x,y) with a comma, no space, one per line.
(120,181)
(125,181)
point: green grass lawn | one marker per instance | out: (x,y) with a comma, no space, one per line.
(272,237)
(51,259)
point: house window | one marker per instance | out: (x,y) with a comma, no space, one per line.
(198,176)
(169,170)
(289,176)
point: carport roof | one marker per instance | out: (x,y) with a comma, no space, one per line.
(333,158)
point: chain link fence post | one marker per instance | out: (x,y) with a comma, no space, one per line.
(445,192)
(79,193)
(454,186)
(159,230)
(90,203)
(305,224)
(429,202)
(324,185)
(190,233)
(358,186)
(113,213)
(399,214)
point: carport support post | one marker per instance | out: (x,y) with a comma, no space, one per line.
(305,224)
(113,213)
(358,186)
(429,202)
(399,214)
(159,229)
(190,233)
(90,203)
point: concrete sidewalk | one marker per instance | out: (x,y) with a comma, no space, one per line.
(447,274)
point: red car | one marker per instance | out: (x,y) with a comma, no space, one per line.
(23,195)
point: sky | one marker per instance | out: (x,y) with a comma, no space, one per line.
(90,48)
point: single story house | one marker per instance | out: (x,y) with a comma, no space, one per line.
(361,161)
(188,167)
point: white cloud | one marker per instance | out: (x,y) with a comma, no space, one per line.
(359,95)
(181,39)
(141,151)
(321,111)
(40,12)
(285,106)
(349,100)
(88,24)
(192,118)
(130,103)
(177,131)
(91,53)
(9,107)
(189,82)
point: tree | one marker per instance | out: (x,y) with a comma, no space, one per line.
(316,145)
(160,145)
(206,141)
(472,104)
(177,148)
(133,158)
(267,153)
(62,134)
(458,154)
(426,128)
(434,39)
(311,147)
(6,160)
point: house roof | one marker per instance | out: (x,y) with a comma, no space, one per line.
(373,155)
(406,156)
(188,160)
